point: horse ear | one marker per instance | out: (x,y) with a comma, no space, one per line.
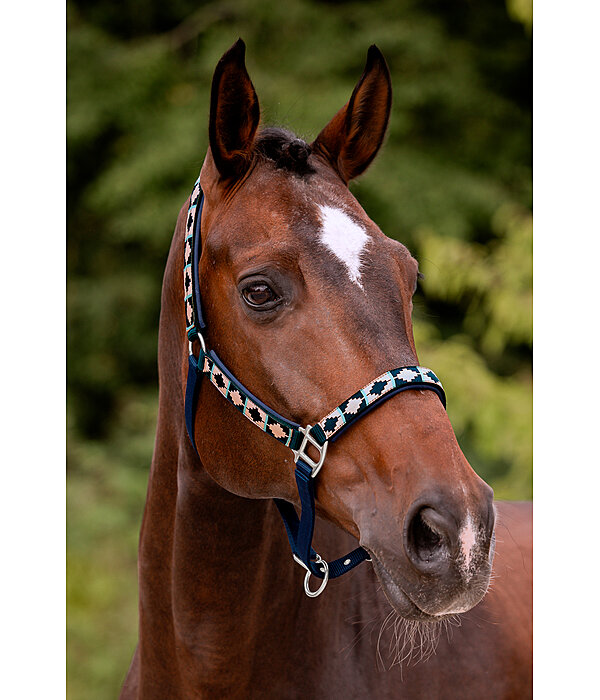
(234,113)
(352,138)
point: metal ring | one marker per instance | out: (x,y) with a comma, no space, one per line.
(202,344)
(321,588)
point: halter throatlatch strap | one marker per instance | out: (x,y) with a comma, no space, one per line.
(299,530)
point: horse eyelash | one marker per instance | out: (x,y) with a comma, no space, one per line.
(420,276)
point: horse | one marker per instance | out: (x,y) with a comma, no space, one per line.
(302,297)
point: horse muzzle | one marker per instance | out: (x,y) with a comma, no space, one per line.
(444,565)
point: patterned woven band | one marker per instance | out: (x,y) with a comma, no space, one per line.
(287,432)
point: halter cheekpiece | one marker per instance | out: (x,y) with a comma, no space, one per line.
(291,434)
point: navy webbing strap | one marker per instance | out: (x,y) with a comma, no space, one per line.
(300,531)
(199,323)
(192,389)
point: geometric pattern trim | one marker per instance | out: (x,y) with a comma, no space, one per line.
(190,319)
(362,399)
(333,422)
(267,422)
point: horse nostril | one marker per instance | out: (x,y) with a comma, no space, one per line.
(425,539)
(428,539)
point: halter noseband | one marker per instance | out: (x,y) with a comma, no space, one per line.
(291,434)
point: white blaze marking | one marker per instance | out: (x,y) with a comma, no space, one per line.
(344,238)
(468,539)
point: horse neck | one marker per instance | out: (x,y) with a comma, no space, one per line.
(211,562)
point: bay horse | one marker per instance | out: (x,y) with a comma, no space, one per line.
(290,287)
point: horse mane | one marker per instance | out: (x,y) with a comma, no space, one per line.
(283,148)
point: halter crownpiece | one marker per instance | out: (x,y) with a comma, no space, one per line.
(297,438)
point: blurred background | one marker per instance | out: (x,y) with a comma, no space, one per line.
(453,183)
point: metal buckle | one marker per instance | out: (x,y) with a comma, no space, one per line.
(324,568)
(300,452)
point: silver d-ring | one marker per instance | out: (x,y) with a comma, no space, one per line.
(202,344)
(321,588)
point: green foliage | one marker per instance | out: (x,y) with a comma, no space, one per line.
(453,182)
(491,285)
(105,499)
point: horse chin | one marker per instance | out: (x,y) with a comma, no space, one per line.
(407,608)
(398,599)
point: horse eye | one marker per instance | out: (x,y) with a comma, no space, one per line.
(259,294)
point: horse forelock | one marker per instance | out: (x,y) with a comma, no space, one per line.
(284,149)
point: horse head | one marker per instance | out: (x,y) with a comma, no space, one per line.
(306,300)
